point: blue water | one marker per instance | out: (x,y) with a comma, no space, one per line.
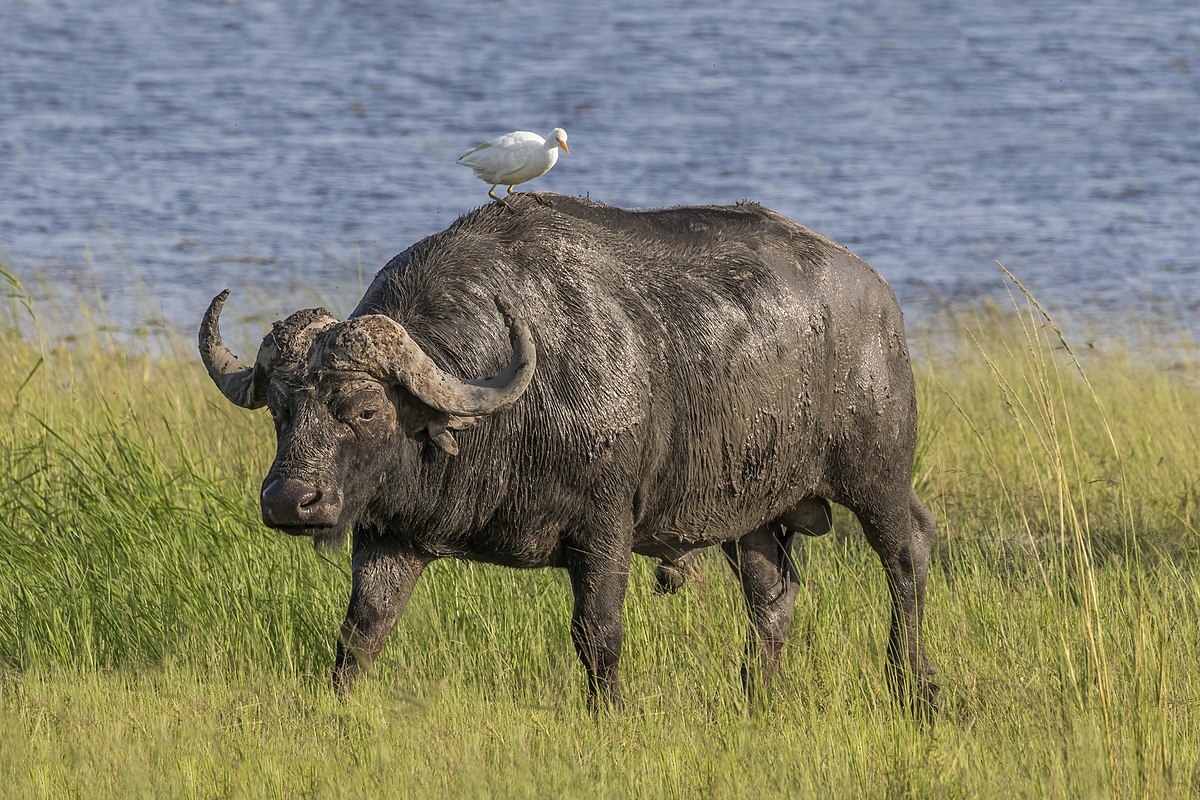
(152,153)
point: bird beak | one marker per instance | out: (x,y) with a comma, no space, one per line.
(563,145)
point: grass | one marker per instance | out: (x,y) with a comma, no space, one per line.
(156,640)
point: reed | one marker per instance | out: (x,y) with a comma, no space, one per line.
(156,639)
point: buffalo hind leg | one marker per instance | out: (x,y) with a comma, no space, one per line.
(598,582)
(903,538)
(383,580)
(761,560)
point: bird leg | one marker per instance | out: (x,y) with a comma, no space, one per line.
(535,195)
(500,200)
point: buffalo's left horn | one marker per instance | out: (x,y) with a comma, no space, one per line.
(379,345)
(243,386)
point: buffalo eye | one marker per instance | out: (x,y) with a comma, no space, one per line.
(368,414)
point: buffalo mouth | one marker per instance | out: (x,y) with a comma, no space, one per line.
(328,538)
(310,531)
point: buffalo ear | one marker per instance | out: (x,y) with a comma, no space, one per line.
(461,423)
(445,442)
(426,422)
(441,437)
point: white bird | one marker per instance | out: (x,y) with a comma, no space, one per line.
(514,158)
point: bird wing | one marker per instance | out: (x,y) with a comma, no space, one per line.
(503,155)
(475,149)
(517,141)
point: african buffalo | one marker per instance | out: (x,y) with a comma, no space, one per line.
(664,381)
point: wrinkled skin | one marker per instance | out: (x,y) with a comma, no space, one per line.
(704,376)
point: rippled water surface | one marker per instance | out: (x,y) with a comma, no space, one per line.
(152,153)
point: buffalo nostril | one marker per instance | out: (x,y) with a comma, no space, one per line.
(286,501)
(309,499)
(291,502)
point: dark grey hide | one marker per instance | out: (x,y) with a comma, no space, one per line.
(665,381)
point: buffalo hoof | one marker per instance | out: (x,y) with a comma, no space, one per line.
(919,695)
(927,701)
(345,672)
(605,703)
(343,679)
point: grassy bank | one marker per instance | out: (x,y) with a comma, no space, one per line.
(156,639)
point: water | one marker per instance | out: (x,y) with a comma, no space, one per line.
(152,153)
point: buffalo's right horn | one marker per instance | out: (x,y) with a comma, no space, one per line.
(243,386)
(285,347)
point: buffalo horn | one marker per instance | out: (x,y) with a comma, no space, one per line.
(381,346)
(285,346)
(235,380)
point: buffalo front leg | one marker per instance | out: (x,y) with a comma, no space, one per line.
(383,580)
(761,560)
(599,583)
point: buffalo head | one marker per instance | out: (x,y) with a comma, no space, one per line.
(353,402)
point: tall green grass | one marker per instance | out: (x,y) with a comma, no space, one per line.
(156,639)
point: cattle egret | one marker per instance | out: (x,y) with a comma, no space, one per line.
(514,158)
